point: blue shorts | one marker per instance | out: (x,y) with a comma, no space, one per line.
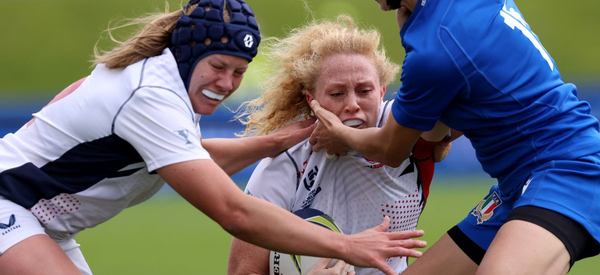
(568,187)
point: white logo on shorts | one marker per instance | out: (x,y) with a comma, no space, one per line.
(525,186)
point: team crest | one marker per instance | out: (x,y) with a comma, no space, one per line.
(485,208)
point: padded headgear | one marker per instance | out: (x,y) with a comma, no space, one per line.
(203,31)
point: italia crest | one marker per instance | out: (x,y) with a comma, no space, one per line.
(485,208)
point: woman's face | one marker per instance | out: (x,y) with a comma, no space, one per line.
(348,86)
(215,78)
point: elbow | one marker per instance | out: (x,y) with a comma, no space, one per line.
(236,222)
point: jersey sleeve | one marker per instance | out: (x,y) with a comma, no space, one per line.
(274,180)
(430,81)
(161,127)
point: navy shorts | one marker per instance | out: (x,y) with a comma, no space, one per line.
(566,193)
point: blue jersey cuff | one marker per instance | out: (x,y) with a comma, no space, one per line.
(406,119)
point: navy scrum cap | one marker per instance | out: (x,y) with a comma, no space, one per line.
(204,31)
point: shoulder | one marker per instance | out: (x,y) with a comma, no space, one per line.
(276,179)
(289,161)
(159,71)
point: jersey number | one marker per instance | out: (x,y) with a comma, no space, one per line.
(513,19)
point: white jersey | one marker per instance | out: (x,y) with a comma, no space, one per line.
(88,156)
(354,191)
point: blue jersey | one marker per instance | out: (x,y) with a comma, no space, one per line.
(477,66)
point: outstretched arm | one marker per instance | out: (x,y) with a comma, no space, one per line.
(234,154)
(209,189)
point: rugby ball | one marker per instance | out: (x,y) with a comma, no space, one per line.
(289,264)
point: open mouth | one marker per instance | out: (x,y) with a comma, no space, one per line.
(212,95)
(353,122)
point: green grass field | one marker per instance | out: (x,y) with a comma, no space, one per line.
(168,236)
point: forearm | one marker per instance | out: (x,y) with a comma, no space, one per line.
(256,221)
(369,142)
(234,154)
(438,133)
(296,235)
(390,145)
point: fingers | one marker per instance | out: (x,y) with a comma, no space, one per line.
(383,226)
(305,131)
(331,156)
(321,264)
(316,107)
(308,122)
(406,234)
(314,136)
(323,115)
(339,267)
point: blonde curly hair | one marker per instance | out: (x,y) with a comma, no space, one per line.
(297,62)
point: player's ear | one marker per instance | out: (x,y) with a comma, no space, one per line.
(308,95)
(383,90)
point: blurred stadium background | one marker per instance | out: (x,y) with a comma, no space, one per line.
(48,44)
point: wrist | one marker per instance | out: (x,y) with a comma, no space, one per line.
(273,145)
(343,247)
(344,135)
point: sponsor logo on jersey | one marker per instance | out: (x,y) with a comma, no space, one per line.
(311,197)
(309,180)
(6,228)
(185,135)
(485,208)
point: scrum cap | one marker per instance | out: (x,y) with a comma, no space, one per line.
(203,31)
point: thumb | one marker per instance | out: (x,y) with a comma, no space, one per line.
(316,107)
(318,266)
(383,226)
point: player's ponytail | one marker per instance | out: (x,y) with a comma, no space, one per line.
(150,41)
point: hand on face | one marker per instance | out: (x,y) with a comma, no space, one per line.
(325,136)
(349,92)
